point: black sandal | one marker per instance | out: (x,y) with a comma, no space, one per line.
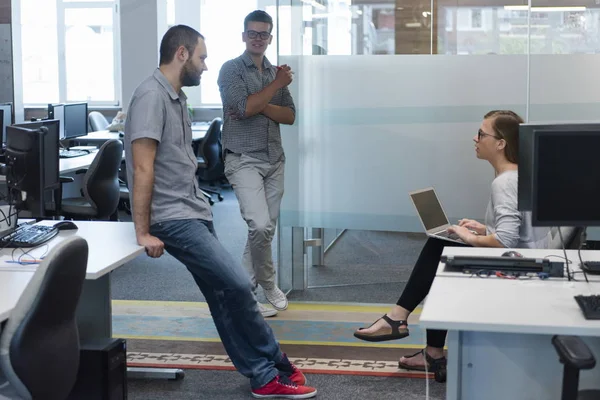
(397,332)
(436,365)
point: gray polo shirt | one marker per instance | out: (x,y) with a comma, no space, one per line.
(257,136)
(157,112)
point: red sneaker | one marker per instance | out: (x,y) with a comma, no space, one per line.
(298,377)
(288,369)
(283,388)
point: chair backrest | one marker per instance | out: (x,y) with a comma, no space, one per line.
(39,348)
(571,236)
(101,181)
(97,121)
(212,151)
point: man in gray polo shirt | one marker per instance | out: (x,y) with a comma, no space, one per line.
(256,100)
(170,212)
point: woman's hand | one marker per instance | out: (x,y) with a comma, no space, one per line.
(465,234)
(473,225)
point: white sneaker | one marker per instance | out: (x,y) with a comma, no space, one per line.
(277,298)
(266,311)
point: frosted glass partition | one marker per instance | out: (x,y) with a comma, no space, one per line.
(564,87)
(370,129)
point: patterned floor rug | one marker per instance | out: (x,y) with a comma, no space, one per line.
(317,337)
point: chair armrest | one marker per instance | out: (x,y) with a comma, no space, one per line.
(81,171)
(66,179)
(573,352)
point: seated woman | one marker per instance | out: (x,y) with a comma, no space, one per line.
(497,142)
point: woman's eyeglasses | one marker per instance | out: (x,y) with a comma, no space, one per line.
(263,35)
(481,133)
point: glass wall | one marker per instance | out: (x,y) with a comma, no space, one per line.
(389,96)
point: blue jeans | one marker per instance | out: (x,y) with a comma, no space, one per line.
(247,338)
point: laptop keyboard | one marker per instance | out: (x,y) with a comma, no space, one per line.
(448,235)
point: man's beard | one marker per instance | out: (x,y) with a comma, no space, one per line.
(189,75)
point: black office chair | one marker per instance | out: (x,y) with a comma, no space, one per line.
(101,192)
(39,347)
(576,355)
(209,154)
(97,121)
(571,236)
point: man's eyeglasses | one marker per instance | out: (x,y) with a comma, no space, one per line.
(481,133)
(263,35)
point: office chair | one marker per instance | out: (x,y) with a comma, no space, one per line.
(576,355)
(97,121)
(101,192)
(39,347)
(124,199)
(571,236)
(209,155)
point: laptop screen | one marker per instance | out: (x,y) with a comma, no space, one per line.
(429,209)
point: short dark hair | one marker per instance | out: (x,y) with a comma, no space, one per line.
(506,126)
(178,35)
(258,16)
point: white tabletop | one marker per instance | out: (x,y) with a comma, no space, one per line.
(111,244)
(510,306)
(513,306)
(12,285)
(98,136)
(68,165)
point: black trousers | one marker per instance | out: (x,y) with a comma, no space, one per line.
(420,282)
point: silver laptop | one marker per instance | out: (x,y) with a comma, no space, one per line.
(432,215)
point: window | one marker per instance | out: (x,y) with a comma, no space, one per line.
(70,51)
(476,18)
(221,22)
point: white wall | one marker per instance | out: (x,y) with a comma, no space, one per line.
(139,49)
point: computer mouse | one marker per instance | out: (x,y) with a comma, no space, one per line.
(512,253)
(65,225)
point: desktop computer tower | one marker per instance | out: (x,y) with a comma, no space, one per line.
(102,371)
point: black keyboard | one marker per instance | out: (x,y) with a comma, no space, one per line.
(448,235)
(28,236)
(590,306)
(72,153)
(591,267)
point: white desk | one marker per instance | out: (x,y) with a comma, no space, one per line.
(110,245)
(12,285)
(500,330)
(98,137)
(68,165)
(198,132)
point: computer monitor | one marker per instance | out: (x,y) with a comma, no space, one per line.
(75,120)
(57,112)
(6,109)
(32,161)
(566,176)
(526,155)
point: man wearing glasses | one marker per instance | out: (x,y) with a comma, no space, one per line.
(256,100)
